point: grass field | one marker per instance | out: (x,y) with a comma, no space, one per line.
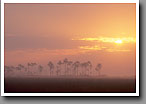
(46,85)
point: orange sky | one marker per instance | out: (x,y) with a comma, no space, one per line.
(102,33)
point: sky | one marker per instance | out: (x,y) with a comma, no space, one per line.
(101,33)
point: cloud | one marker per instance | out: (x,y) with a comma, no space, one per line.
(117,50)
(91,47)
(108,39)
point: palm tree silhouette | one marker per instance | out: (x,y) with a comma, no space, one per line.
(98,68)
(65,67)
(90,67)
(28,69)
(69,64)
(32,65)
(86,68)
(51,67)
(65,61)
(40,68)
(59,67)
(75,67)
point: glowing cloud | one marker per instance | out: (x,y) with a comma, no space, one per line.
(118,41)
(109,39)
(91,47)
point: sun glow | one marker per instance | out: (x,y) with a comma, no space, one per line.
(118,41)
(109,40)
(107,44)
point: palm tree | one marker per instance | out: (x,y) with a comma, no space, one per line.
(28,65)
(75,67)
(57,70)
(65,61)
(51,67)
(59,67)
(98,68)
(84,67)
(40,68)
(32,65)
(90,67)
(69,64)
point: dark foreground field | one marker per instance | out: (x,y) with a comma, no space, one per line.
(46,85)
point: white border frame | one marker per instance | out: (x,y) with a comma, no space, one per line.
(69,1)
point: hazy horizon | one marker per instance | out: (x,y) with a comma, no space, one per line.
(100,33)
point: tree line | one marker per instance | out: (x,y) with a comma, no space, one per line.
(61,68)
